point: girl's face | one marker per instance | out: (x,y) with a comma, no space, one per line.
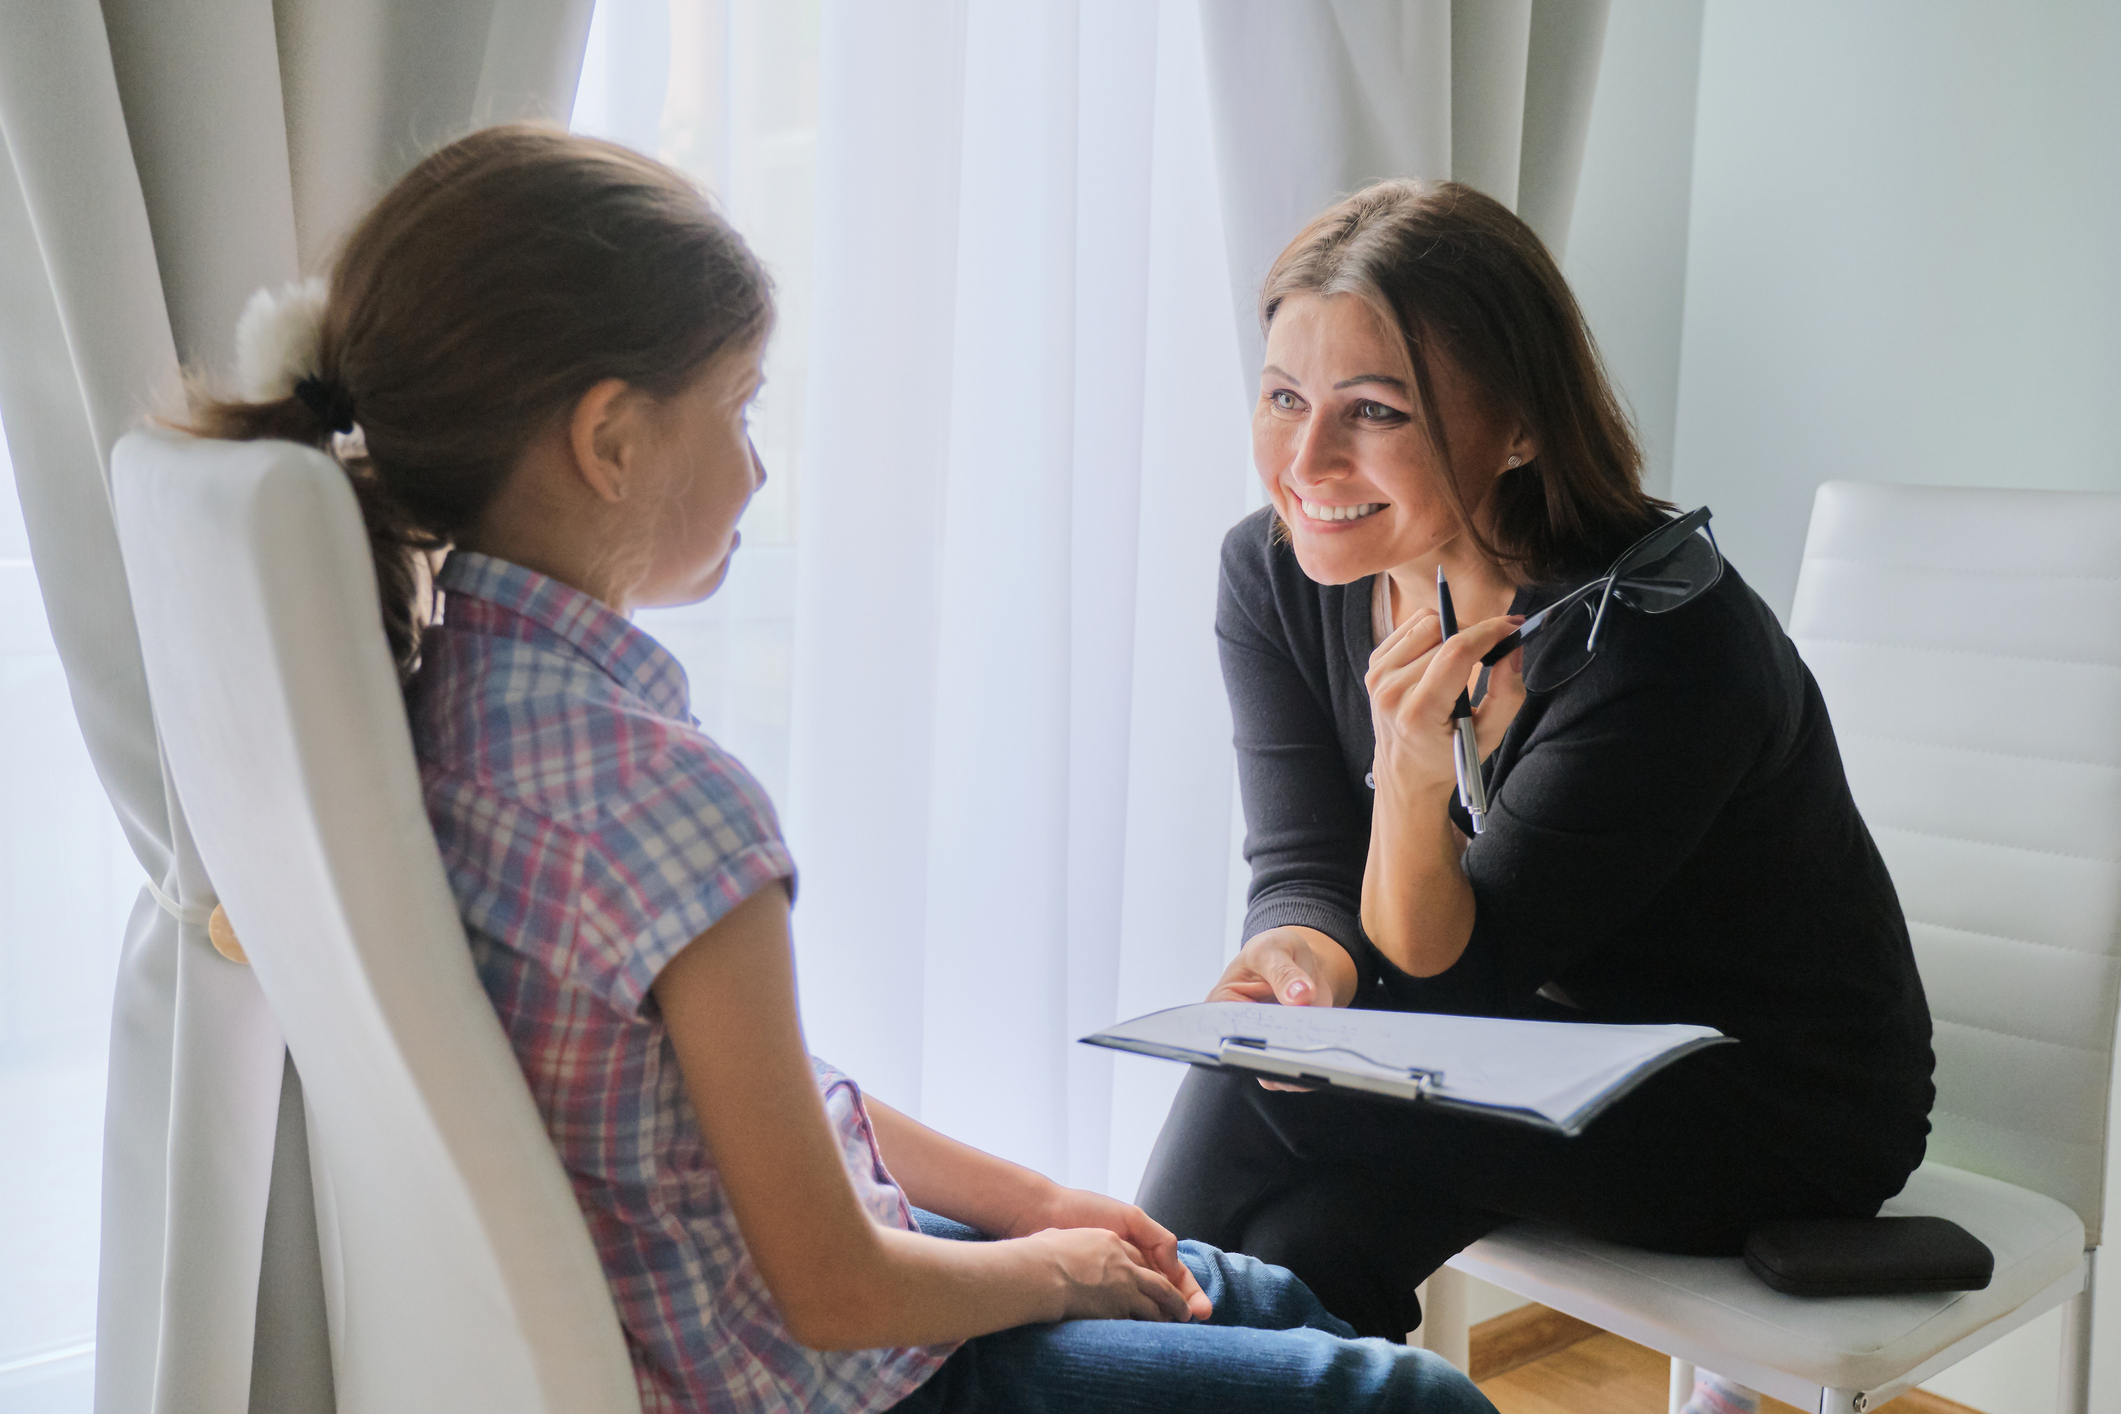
(1338,443)
(700,472)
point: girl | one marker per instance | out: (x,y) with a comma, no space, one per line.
(1670,837)
(537,353)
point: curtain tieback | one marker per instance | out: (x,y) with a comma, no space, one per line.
(219,931)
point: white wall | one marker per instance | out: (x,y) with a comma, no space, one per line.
(1901,266)
(1901,260)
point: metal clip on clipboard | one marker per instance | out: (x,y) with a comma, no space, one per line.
(1298,1063)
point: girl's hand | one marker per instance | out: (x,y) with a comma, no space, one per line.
(1414,680)
(1294,966)
(1080,1208)
(1099,1275)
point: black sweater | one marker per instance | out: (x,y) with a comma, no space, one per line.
(1671,839)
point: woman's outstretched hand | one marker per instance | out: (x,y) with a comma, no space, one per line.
(1294,966)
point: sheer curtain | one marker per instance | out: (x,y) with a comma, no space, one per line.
(727,90)
(162,163)
(1010,772)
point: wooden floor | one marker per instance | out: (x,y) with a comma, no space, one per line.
(1603,1374)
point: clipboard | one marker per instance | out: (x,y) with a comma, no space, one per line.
(1553,1075)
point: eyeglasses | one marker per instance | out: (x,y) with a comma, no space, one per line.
(1673,565)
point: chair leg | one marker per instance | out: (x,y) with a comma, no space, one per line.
(1843,1401)
(2073,1393)
(1682,1384)
(1444,1327)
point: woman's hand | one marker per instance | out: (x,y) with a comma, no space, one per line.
(1294,966)
(1098,1275)
(1414,681)
(1417,906)
(1154,1245)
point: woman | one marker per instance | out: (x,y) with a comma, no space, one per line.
(1670,836)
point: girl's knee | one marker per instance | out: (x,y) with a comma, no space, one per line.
(1248,1292)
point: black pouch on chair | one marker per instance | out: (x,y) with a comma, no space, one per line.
(1868,1256)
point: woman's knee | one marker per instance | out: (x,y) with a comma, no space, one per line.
(1213,1160)
(1362,1243)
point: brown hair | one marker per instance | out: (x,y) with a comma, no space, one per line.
(494,285)
(1464,279)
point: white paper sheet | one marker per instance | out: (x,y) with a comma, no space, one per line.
(1554,1074)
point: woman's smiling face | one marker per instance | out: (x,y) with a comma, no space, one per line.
(1338,439)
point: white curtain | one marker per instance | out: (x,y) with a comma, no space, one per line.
(1011,782)
(163,162)
(1010,778)
(1316,100)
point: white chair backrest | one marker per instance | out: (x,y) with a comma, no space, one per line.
(1968,643)
(459,1273)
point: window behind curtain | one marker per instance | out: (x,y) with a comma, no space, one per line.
(726,90)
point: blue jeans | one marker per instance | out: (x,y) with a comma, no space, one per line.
(1269,1348)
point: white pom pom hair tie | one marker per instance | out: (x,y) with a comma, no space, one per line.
(279,353)
(279,340)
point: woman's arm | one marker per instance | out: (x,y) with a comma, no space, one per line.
(1624,774)
(841,1281)
(1417,904)
(1304,823)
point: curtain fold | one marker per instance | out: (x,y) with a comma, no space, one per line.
(225,144)
(1561,78)
(1010,776)
(1315,101)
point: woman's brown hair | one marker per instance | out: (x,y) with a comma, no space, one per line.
(1464,279)
(494,285)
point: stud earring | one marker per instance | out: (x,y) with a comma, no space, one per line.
(1516,462)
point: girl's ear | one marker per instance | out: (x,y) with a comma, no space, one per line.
(601,434)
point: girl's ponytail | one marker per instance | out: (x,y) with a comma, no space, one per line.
(285,389)
(492,287)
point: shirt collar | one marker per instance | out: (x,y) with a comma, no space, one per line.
(585,623)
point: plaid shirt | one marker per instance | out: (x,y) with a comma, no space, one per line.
(591,831)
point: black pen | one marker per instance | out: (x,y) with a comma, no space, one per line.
(1465,755)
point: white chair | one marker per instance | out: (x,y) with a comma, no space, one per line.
(459,1275)
(1969,647)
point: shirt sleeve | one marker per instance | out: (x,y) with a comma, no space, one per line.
(1306,832)
(667,864)
(1613,789)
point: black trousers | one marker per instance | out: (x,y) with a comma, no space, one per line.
(1363,1198)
